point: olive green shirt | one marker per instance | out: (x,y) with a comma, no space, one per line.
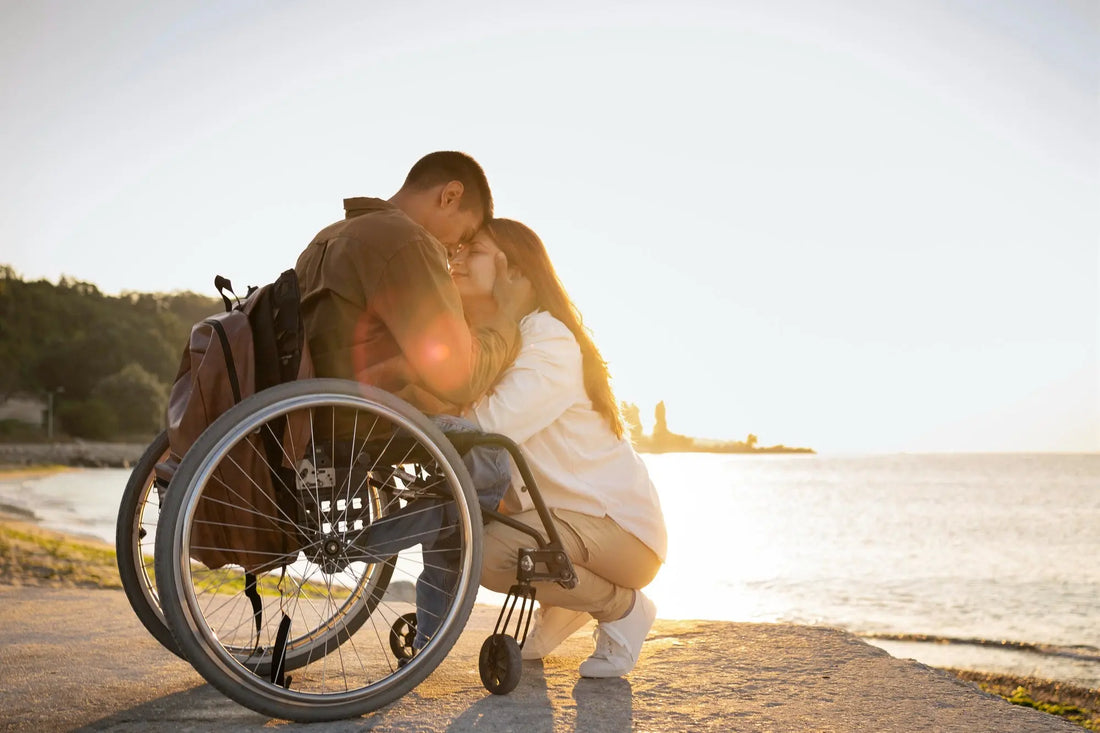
(380,307)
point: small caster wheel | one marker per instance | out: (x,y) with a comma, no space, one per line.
(500,664)
(402,636)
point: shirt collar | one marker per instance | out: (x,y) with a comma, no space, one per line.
(360,205)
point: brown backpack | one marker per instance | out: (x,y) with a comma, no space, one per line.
(254,345)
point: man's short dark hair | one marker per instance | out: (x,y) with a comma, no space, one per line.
(446,166)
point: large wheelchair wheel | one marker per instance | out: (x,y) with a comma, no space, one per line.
(135,535)
(135,543)
(361,483)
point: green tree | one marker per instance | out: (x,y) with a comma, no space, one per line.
(72,336)
(91,419)
(136,397)
(81,361)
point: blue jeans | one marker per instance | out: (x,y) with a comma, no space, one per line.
(490,469)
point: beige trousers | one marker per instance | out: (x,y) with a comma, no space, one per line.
(610,562)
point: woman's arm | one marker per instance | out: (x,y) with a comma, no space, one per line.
(543,382)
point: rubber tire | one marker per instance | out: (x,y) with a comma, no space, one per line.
(137,581)
(500,664)
(140,586)
(188,626)
(402,634)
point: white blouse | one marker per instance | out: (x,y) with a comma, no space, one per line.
(577,462)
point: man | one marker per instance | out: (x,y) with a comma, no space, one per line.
(379,305)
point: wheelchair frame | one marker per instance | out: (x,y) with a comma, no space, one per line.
(184,630)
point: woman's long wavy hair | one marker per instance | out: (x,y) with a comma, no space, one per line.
(525,250)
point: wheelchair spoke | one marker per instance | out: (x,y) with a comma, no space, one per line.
(335,497)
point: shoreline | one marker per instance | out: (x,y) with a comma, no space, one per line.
(17,473)
(33,556)
(995,654)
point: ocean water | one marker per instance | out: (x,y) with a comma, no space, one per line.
(987,561)
(993,559)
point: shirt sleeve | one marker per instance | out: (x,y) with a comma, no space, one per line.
(420,305)
(545,380)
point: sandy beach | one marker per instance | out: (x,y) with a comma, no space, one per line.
(59,601)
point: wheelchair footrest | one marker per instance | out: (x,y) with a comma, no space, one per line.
(553,565)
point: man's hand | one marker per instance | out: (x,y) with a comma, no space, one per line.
(512,291)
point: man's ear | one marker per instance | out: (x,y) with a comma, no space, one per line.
(451,194)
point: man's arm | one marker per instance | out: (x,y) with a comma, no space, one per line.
(420,305)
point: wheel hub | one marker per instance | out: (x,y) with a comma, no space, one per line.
(332,558)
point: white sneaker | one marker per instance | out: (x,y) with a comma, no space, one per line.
(553,625)
(618,643)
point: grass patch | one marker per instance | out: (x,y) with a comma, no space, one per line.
(1075,704)
(16,471)
(30,555)
(33,556)
(1072,713)
(232,581)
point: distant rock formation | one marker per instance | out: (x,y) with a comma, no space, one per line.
(664,440)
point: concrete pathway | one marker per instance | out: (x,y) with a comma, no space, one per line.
(79,659)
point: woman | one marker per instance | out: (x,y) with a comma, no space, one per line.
(555,401)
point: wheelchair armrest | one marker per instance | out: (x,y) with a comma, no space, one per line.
(464,441)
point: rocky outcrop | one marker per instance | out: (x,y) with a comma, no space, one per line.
(78,453)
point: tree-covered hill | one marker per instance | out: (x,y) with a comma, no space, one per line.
(107,360)
(107,363)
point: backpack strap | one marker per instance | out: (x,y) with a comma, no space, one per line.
(278,654)
(223,284)
(257,605)
(228,351)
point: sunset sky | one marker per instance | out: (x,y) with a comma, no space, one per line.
(852,225)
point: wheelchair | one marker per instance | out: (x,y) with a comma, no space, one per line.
(135,535)
(297,596)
